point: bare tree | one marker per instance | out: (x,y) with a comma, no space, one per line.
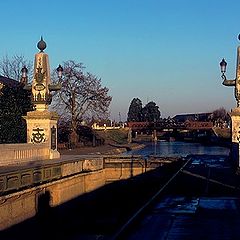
(82,96)
(219,116)
(11,67)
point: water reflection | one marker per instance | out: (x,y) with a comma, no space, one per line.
(179,149)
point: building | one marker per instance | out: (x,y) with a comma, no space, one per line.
(201,117)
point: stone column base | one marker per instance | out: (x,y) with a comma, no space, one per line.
(42,128)
(54,154)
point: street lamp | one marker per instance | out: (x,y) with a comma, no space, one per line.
(59,71)
(24,77)
(236,81)
(223,65)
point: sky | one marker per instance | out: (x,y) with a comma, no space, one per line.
(166,51)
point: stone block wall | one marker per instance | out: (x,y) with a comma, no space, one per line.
(61,182)
(15,208)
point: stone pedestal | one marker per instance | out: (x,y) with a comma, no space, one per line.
(42,128)
(235,121)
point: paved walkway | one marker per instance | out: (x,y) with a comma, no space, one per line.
(69,155)
(103,149)
(65,155)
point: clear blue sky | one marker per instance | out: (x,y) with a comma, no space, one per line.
(167,51)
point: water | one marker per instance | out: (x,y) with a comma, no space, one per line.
(175,149)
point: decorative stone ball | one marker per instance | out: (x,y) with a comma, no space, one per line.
(41,45)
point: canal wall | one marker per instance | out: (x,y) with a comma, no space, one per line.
(19,206)
(26,192)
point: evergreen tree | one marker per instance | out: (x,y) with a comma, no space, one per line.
(151,112)
(15,102)
(135,111)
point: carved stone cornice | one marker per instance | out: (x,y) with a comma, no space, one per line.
(42,115)
(235,112)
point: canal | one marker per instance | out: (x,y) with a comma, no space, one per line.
(202,202)
(181,149)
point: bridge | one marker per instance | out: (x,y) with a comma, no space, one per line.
(159,126)
(188,130)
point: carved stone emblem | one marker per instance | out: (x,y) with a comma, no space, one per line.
(39,77)
(38,135)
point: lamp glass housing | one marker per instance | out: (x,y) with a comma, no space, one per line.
(223,65)
(24,71)
(59,71)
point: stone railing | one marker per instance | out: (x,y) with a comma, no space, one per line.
(71,167)
(22,152)
(33,175)
(110,168)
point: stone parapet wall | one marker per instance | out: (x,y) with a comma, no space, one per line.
(21,191)
(72,167)
(22,152)
(81,165)
(31,175)
(115,174)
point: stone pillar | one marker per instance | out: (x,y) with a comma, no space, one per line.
(154,135)
(42,128)
(235,113)
(235,121)
(130,135)
(41,123)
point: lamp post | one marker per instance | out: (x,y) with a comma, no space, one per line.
(236,81)
(235,113)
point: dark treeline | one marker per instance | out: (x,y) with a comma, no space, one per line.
(137,113)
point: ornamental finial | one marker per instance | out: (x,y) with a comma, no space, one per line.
(41,44)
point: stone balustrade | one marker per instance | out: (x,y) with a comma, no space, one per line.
(22,152)
(33,175)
